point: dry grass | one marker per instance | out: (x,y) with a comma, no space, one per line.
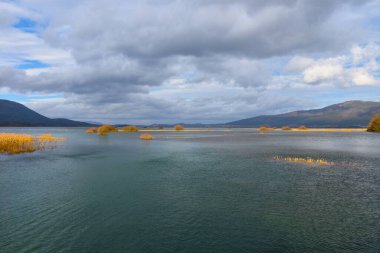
(286,128)
(302,128)
(264,128)
(92,130)
(184,131)
(105,129)
(179,127)
(130,129)
(13,143)
(146,137)
(329,130)
(374,125)
(49,137)
(308,161)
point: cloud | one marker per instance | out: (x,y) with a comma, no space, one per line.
(360,66)
(323,70)
(168,58)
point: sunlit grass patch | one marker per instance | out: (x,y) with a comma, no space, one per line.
(105,129)
(130,129)
(49,137)
(92,130)
(308,161)
(146,137)
(179,128)
(264,128)
(374,125)
(302,128)
(14,143)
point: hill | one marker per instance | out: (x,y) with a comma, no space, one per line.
(349,114)
(15,114)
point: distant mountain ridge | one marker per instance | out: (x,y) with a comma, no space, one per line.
(16,114)
(348,114)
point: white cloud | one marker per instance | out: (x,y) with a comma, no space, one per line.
(323,71)
(361,76)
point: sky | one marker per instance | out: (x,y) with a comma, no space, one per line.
(193,61)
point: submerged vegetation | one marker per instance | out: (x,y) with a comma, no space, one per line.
(146,137)
(309,161)
(13,143)
(130,129)
(374,125)
(179,127)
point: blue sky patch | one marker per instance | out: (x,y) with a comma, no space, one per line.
(32,64)
(27,98)
(27,25)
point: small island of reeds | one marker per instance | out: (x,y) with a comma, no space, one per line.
(374,125)
(308,161)
(102,130)
(15,143)
(130,129)
(179,127)
(146,137)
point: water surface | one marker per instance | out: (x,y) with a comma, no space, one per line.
(192,192)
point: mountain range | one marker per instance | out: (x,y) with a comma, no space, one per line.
(350,114)
(15,114)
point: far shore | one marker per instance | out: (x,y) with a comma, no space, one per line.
(331,130)
(182,131)
(328,130)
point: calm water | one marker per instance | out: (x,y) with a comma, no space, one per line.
(197,192)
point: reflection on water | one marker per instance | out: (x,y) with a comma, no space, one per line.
(192,192)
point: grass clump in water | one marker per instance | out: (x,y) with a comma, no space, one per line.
(92,130)
(308,161)
(302,127)
(264,128)
(146,137)
(179,127)
(130,129)
(106,129)
(374,125)
(14,143)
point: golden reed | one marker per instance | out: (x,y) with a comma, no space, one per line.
(308,161)
(14,143)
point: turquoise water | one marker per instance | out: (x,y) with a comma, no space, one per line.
(193,192)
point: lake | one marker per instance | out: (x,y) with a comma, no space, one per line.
(192,192)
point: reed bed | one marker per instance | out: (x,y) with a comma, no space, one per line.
(92,130)
(130,129)
(308,161)
(146,137)
(179,127)
(14,143)
(105,129)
